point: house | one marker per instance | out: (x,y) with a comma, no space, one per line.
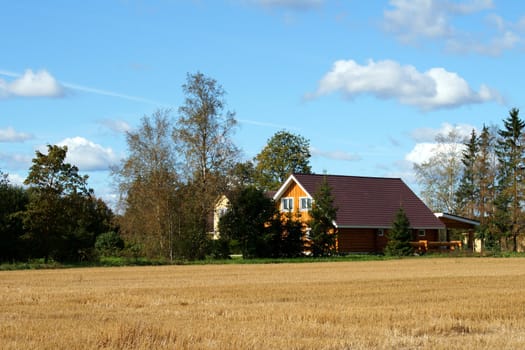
(220,208)
(366,209)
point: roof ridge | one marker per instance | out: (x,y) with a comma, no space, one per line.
(355,176)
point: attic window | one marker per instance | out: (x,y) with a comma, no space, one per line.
(287,204)
(305,203)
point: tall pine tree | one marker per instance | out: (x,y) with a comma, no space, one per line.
(510,151)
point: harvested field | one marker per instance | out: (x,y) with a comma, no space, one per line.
(448,303)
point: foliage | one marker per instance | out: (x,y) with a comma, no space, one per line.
(109,244)
(13,200)
(56,218)
(291,238)
(510,194)
(203,139)
(246,221)
(323,215)
(148,183)
(284,154)
(467,191)
(439,176)
(399,236)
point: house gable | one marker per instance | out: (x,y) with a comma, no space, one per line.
(294,192)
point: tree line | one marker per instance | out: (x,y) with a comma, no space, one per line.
(177,166)
(175,170)
(482,178)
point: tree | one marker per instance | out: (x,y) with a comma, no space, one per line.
(510,151)
(289,237)
(323,214)
(399,236)
(486,167)
(467,193)
(202,136)
(284,154)
(439,176)
(13,200)
(247,221)
(52,185)
(148,184)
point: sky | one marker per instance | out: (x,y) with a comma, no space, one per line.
(369,83)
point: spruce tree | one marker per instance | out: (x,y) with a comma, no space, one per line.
(510,151)
(323,215)
(467,193)
(399,236)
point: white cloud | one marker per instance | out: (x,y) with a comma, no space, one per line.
(118,126)
(421,152)
(11,135)
(416,21)
(433,89)
(42,84)
(412,19)
(290,4)
(30,84)
(15,161)
(429,134)
(87,155)
(427,145)
(335,155)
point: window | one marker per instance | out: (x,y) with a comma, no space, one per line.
(421,233)
(305,203)
(287,204)
(380,232)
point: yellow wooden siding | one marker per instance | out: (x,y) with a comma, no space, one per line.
(294,191)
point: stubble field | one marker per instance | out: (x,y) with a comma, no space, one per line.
(465,303)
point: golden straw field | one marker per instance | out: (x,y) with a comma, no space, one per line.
(442,303)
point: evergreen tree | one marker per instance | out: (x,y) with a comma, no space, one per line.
(323,233)
(13,201)
(510,151)
(247,222)
(290,236)
(467,193)
(399,236)
(486,167)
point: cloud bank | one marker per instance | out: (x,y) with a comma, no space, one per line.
(433,89)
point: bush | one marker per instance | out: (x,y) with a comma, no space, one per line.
(109,244)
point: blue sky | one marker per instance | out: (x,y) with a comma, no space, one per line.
(369,83)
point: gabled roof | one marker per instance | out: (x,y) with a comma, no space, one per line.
(370,202)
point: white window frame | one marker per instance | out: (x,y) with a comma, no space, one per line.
(308,201)
(287,204)
(380,232)
(421,233)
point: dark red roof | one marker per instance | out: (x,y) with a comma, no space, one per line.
(372,201)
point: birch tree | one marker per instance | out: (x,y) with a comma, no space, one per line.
(203,138)
(148,183)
